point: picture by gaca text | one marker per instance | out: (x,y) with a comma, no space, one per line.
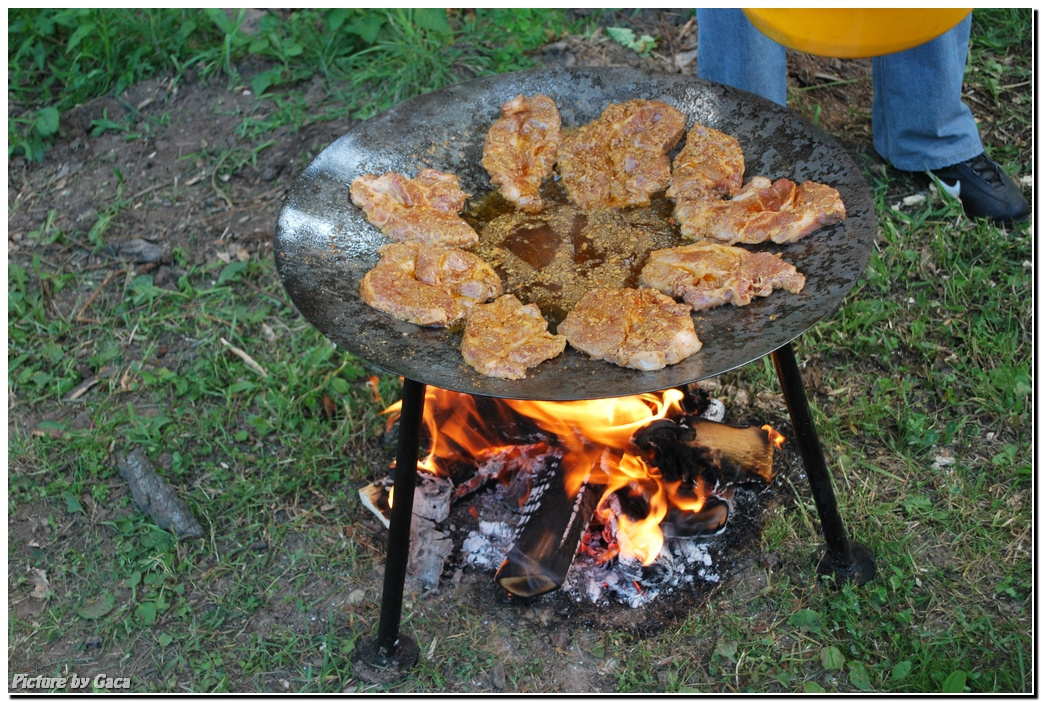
(21,681)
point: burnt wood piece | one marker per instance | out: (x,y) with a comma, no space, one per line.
(513,466)
(693,448)
(696,400)
(548,534)
(710,520)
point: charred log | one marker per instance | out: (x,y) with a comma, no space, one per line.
(693,448)
(710,520)
(548,535)
(515,467)
(695,400)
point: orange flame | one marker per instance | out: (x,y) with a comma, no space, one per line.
(595,436)
(776,437)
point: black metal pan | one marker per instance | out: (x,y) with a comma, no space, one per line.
(324,245)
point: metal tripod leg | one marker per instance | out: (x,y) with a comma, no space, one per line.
(388,655)
(846,560)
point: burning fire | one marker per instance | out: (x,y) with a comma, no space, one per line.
(595,438)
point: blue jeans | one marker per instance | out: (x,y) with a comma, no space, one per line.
(918,118)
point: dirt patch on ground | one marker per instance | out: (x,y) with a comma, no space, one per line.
(200,190)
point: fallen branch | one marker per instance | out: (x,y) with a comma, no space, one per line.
(213,180)
(94,296)
(245,358)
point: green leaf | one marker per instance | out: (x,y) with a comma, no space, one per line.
(230,272)
(806,620)
(241,386)
(146,613)
(727,648)
(335,18)
(812,687)
(47,121)
(625,36)
(97,231)
(52,353)
(832,658)
(859,676)
(901,670)
(219,18)
(82,31)
(104,124)
(43,379)
(368,27)
(164,639)
(955,682)
(432,19)
(339,385)
(915,504)
(96,609)
(263,81)
(72,504)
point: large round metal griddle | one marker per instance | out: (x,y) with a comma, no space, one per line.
(324,245)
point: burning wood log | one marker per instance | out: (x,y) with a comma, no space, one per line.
(694,448)
(512,466)
(710,520)
(550,528)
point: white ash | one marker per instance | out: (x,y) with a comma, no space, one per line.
(433,498)
(487,547)
(715,412)
(430,546)
(682,562)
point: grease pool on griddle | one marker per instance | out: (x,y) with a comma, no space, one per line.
(554,256)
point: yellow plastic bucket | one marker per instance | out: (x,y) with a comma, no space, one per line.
(854,32)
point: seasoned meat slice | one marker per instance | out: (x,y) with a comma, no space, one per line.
(641,329)
(423,210)
(428,285)
(708,275)
(711,165)
(504,338)
(780,212)
(520,148)
(620,158)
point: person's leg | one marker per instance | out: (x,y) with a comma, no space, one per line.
(920,123)
(918,118)
(733,52)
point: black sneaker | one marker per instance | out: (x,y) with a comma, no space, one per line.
(985,191)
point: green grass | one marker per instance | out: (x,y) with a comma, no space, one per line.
(211,423)
(371,58)
(927,359)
